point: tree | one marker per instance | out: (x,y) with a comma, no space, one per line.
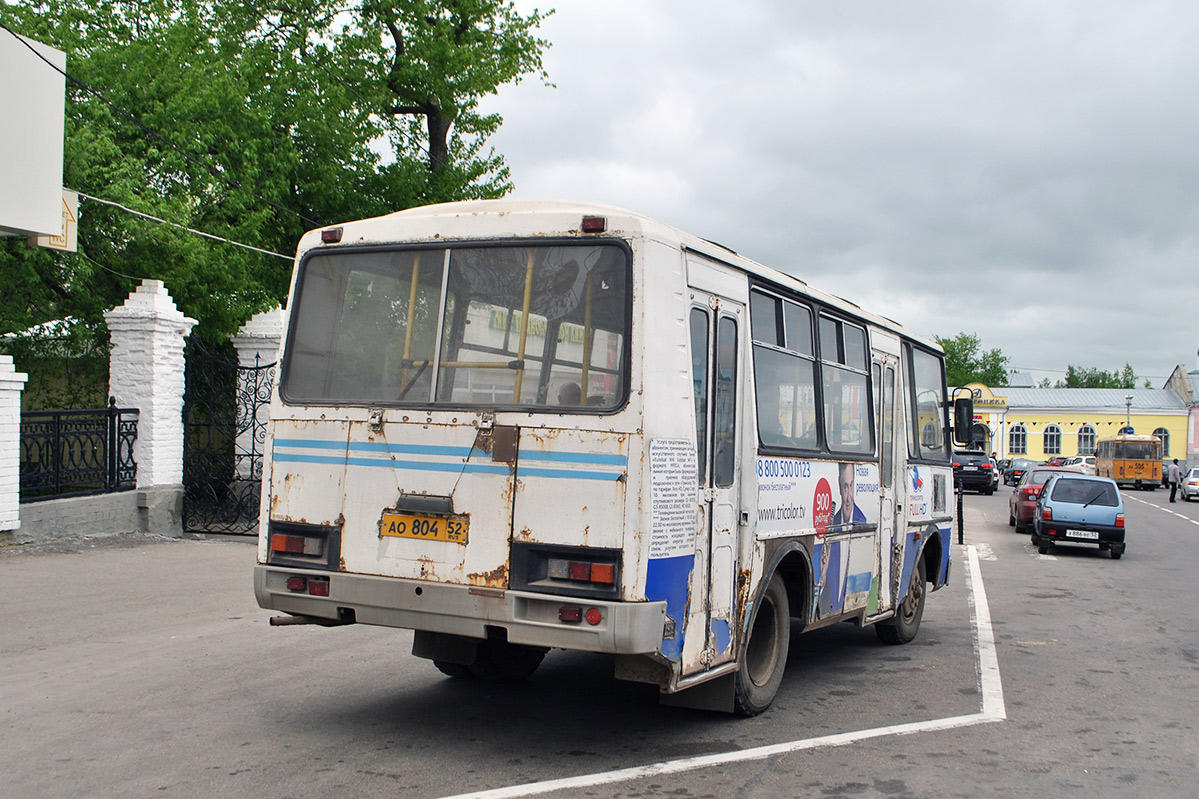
(1090,377)
(253,124)
(965,362)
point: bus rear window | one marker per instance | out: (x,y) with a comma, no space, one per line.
(470,326)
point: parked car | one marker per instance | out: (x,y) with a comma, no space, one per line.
(1079,509)
(974,470)
(1084,464)
(1190,485)
(1182,470)
(1057,460)
(1022,504)
(1016,468)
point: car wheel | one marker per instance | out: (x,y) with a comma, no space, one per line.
(906,623)
(1011,520)
(765,656)
(1043,549)
(1117,555)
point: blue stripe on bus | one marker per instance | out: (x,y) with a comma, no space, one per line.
(433,466)
(580,474)
(599,459)
(576,457)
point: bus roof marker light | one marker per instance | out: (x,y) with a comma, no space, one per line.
(594,224)
(331,235)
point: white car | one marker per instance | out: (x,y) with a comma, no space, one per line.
(1081,463)
(1190,485)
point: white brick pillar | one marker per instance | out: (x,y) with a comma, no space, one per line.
(12,383)
(146,372)
(257,344)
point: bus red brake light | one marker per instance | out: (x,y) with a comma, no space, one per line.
(594,616)
(580,570)
(594,224)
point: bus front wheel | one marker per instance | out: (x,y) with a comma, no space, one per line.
(903,627)
(765,656)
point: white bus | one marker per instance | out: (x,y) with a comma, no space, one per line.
(516,426)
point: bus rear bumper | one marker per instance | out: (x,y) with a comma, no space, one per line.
(529,618)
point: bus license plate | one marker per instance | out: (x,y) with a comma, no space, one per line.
(1090,535)
(427,528)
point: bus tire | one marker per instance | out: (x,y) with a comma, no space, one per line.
(500,661)
(765,658)
(902,628)
(459,671)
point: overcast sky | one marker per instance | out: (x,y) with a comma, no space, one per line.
(1023,170)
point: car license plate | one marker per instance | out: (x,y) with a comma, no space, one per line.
(427,528)
(969,468)
(1090,535)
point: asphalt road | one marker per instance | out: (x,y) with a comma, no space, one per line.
(138,668)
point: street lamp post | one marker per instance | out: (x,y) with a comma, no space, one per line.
(1127,412)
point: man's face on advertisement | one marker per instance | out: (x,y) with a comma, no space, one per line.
(847,491)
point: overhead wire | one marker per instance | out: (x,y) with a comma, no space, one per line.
(127,209)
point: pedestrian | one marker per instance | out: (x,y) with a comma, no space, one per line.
(1172,478)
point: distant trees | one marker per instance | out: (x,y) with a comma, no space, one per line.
(966,362)
(1090,377)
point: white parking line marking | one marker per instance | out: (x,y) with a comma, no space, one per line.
(1164,510)
(990,685)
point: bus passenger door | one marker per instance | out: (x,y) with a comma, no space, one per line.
(716,330)
(889,550)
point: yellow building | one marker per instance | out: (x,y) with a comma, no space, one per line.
(1039,423)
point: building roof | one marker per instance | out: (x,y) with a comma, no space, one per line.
(1112,399)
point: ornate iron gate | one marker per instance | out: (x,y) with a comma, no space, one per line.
(224,420)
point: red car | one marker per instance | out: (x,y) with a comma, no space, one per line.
(1023,501)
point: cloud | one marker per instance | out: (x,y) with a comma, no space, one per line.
(1021,170)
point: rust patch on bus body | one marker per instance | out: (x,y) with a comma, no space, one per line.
(496,578)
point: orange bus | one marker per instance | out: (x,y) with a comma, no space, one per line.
(1130,459)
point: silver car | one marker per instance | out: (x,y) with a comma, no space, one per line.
(1190,485)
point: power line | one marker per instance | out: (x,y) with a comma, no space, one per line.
(213,171)
(184,227)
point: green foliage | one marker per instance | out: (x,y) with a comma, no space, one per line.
(965,362)
(1090,377)
(253,123)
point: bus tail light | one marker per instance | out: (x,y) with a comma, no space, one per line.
(594,224)
(565,570)
(594,616)
(296,544)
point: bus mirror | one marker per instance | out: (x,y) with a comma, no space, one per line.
(963,420)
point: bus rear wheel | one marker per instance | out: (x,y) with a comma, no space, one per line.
(903,627)
(500,661)
(765,658)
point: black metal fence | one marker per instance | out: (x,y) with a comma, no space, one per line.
(72,453)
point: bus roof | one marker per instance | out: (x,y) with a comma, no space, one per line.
(509,218)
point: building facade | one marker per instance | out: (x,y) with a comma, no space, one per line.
(1038,423)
